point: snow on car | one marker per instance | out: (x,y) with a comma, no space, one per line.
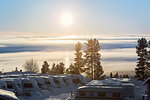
(77,79)
(40,82)
(67,80)
(98,92)
(29,86)
(7,95)
(14,84)
(49,82)
(3,84)
(61,86)
(128,88)
(58,80)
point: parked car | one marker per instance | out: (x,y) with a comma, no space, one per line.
(128,90)
(128,87)
(59,81)
(77,79)
(49,82)
(67,80)
(40,82)
(97,93)
(29,86)
(3,85)
(14,85)
(7,95)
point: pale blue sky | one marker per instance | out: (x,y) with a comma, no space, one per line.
(90,16)
(124,20)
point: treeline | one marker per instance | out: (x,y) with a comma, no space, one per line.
(142,70)
(116,75)
(88,64)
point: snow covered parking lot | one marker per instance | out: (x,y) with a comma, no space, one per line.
(64,93)
(62,96)
(48,87)
(59,94)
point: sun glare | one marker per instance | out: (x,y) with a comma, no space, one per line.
(66,19)
(67,62)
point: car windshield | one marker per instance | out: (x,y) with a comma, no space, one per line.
(47,82)
(76,81)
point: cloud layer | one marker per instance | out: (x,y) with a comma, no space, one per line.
(117,53)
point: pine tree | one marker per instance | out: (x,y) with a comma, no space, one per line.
(92,59)
(53,69)
(78,59)
(120,76)
(147,69)
(61,68)
(111,75)
(45,68)
(98,71)
(72,69)
(58,69)
(141,52)
(116,75)
(127,76)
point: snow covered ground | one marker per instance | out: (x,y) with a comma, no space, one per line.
(64,92)
(59,94)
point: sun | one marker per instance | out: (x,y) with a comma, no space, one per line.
(66,19)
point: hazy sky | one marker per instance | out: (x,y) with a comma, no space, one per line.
(90,16)
(117,24)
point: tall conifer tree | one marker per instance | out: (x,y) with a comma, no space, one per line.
(147,69)
(93,68)
(45,68)
(78,59)
(58,69)
(141,64)
(53,69)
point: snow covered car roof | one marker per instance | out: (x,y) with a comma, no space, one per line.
(99,87)
(3,84)
(11,79)
(103,82)
(8,94)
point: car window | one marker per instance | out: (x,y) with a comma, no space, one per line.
(47,82)
(76,81)
(91,93)
(116,94)
(56,81)
(9,86)
(2,98)
(82,93)
(101,94)
(28,85)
